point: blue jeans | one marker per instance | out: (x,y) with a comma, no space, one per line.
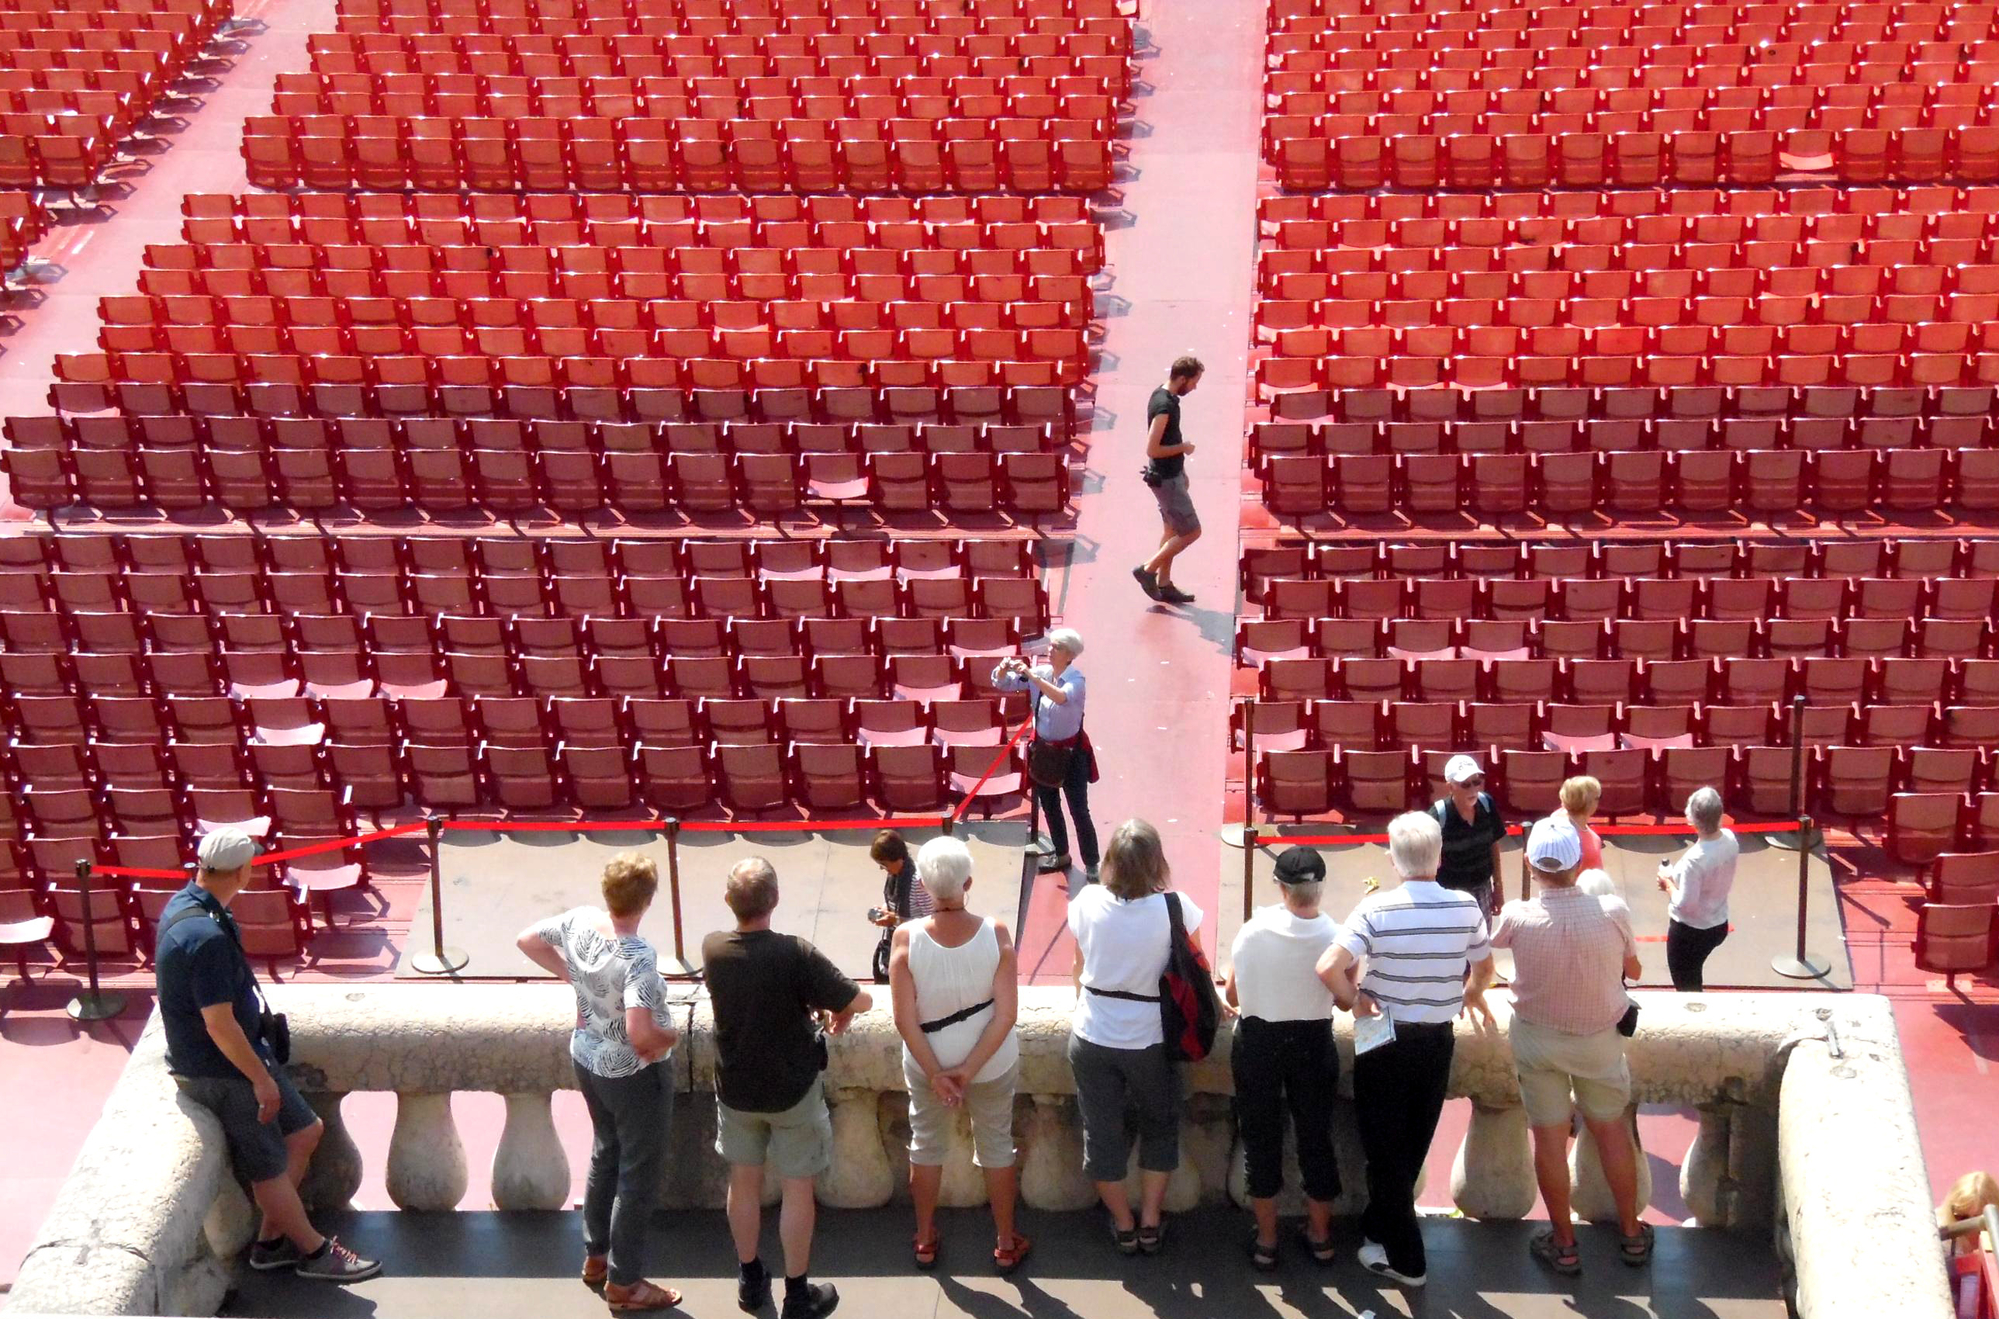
(1076,787)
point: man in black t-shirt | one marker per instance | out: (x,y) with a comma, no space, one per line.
(1472,829)
(1166,472)
(770,994)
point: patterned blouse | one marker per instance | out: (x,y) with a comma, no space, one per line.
(610,973)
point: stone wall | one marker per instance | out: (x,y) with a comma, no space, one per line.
(150,1211)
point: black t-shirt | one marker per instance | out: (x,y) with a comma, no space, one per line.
(1166,403)
(198,965)
(1468,847)
(764,987)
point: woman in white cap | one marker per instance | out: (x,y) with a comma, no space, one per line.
(1572,953)
(1472,829)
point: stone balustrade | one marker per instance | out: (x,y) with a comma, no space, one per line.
(1819,1148)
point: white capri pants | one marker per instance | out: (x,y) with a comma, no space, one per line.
(988,1103)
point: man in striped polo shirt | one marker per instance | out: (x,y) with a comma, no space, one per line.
(1417,954)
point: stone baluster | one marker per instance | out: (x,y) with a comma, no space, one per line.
(1493,1176)
(860,1176)
(1591,1193)
(335,1175)
(231,1222)
(426,1167)
(530,1170)
(1051,1156)
(1704,1174)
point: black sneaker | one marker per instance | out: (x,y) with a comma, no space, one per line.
(1050,864)
(280,1254)
(1173,595)
(336,1263)
(815,1302)
(753,1291)
(1146,582)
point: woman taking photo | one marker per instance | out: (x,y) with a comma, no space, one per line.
(623,1034)
(1061,760)
(953,979)
(1117,1045)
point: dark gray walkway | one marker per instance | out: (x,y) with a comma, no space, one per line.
(519,1266)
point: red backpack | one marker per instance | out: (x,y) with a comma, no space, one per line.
(1189,1010)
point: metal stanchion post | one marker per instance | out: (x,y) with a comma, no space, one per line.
(1796,840)
(440,960)
(93,1004)
(681,966)
(1240,835)
(1803,965)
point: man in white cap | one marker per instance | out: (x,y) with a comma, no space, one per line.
(1572,953)
(212,1013)
(1472,831)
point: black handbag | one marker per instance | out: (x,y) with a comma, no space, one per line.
(1627,1025)
(1048,763)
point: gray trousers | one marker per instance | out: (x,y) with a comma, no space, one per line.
(631,1117)
(1108,1081)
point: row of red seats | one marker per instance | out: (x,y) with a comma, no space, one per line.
(114,112)
(1898,103)
(23,220)
(1582,37)
(1621,596)
(1021,486)
(273,923)
(726,16)
(56,160)
(842,396)
(1580,158)
(1563,563)
(937,49)
(979,431)
(1475,640)
(1360,272)
(1592,328)
(1735,681)
(1902,315)
(1850,782)
(320,675)
(712,215)
(1618,356)
(1567,403)
(901,558)
(603,154)
(1605,435)
(1762,484)
(1628,203)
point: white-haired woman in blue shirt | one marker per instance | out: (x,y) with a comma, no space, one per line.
(1059,693)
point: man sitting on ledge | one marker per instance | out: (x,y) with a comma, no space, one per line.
(212,1012)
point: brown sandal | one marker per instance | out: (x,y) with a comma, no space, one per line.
(1007,1258)
(641,1295)
(596,1271)
(925,1252)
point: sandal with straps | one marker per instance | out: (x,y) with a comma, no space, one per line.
(1007,1258)
(925,1252)
(1126,1239)
(1262,1258)
(1565,1260)
(596,1272)
(1320,1249)
(640,1296)
(1636,1251)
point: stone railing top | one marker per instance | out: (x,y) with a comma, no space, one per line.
(1690,1049)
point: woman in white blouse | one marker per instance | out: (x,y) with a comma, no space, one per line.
(952,977)
(623,1035)
(1117,1046)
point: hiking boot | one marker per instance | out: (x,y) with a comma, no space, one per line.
(1146,582)
(336,1263)
(816,1302)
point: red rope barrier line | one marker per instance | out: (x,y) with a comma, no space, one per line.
(993,768)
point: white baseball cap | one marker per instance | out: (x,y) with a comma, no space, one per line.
(227,848)
(1459,768)
(1553,846)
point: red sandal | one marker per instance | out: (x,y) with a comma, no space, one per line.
(1007,1258)
(926,1253)
(640,1296)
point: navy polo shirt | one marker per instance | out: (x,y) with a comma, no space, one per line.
(198,964)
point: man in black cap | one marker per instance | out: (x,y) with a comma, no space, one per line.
(1284,1056)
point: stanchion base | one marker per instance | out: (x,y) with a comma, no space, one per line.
(1797,841)
(1233,834)
(676,968)
(443,962)
(1040,845)
(95,1007)
(1805,968)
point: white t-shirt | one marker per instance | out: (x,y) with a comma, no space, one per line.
(1704,874)
(1274,962)
(1123,945)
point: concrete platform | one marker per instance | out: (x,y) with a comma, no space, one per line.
(1762,906)
(520,1266)
(496,884)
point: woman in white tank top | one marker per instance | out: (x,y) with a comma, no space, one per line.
(952,975)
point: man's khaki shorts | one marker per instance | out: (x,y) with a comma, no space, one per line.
(1554,1064)
(798,1140)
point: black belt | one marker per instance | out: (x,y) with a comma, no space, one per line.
(963,1014)
(1123,994)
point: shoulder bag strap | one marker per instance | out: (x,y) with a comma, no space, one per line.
(235,941)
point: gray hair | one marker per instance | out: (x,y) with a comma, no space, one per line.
(1598,884)
(1067,638)
(1415,845)
(1704,810)
(944,865)
(1302,895)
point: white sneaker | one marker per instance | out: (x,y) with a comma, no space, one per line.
(1374,1259)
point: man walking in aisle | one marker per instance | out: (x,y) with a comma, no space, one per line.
(1166,472)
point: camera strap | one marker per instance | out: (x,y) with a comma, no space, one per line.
(228,927)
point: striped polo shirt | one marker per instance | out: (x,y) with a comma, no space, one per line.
(1416,941)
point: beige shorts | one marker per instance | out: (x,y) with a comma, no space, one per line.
(1553,1064)
(989,1105)
(799,1140)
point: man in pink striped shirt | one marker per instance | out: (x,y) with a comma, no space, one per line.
(1572,952)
